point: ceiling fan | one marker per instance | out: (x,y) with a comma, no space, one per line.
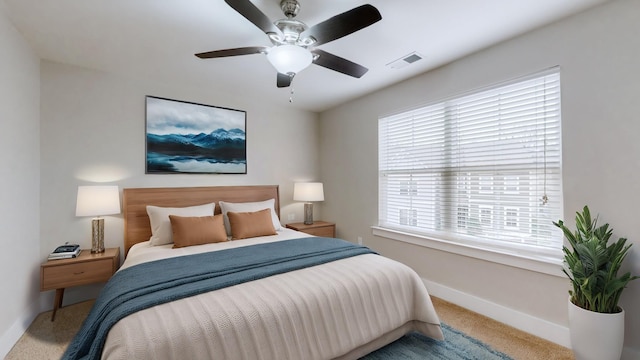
(295,44)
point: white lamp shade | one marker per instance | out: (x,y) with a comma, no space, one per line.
(312,191)
(97,200)
(289,58)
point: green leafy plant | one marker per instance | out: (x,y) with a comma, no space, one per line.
(592,264)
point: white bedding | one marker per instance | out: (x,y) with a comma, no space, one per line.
(144,251)
(342,309)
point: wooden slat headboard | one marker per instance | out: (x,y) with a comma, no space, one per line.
(135,201)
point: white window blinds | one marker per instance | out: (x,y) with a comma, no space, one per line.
(483,168)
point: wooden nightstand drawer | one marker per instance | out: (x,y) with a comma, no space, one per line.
(74,274)
(327,231)
(318,228)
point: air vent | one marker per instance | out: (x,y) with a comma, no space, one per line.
(405,60)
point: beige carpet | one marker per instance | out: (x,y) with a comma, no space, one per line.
(513,342)
(47,340)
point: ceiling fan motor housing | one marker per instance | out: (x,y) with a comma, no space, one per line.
(291,30)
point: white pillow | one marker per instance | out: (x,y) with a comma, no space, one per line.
(250,207)
(161,233)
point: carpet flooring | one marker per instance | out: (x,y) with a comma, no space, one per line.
(47,340)
(517,344)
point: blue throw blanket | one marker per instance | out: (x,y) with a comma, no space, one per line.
(157,282)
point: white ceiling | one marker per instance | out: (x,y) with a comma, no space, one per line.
(158,39)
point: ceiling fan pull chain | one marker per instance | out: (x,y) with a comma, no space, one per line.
(291,96)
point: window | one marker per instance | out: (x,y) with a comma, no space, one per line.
(475,169)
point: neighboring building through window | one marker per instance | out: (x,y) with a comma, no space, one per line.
(475,169)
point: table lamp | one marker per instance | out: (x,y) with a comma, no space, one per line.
(97,201)
(308,192)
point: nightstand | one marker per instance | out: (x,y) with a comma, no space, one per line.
(85,269)
(318,228)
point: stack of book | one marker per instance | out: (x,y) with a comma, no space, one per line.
(66,251)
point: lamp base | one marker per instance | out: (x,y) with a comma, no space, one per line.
(308,213)
(97,235)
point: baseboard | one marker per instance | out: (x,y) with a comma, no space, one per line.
(519,320)
(13,334)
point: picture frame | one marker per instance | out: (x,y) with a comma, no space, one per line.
(190,138)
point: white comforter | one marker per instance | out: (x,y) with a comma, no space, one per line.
(343,309)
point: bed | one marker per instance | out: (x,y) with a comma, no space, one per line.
(335,309)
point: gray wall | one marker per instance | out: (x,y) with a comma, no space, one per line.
(19,183)
(93,126)
(598,54)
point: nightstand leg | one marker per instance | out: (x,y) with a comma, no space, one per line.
(57,302)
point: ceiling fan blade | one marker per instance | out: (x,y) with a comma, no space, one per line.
(338,64)
(232,52)
(253,14)
(343,24)
(284,80)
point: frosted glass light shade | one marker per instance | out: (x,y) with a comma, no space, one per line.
(312,191)
(97,200)
(289,58)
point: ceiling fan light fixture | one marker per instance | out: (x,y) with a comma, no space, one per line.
(292,39)
(289,58)
(307,41)
(275,38)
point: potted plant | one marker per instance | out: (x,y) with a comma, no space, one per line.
(596,321)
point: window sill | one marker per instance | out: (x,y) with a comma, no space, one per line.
(545,265)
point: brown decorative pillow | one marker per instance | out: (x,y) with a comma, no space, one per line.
(188,231)
(251,224)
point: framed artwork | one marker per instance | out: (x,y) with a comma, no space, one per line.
(185,137)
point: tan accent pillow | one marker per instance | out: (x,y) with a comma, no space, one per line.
(188,231)
(250,224)
(225,207)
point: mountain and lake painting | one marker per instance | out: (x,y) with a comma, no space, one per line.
(185,137)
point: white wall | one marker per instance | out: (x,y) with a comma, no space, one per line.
(19,183)
(93,126)
(598,53)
